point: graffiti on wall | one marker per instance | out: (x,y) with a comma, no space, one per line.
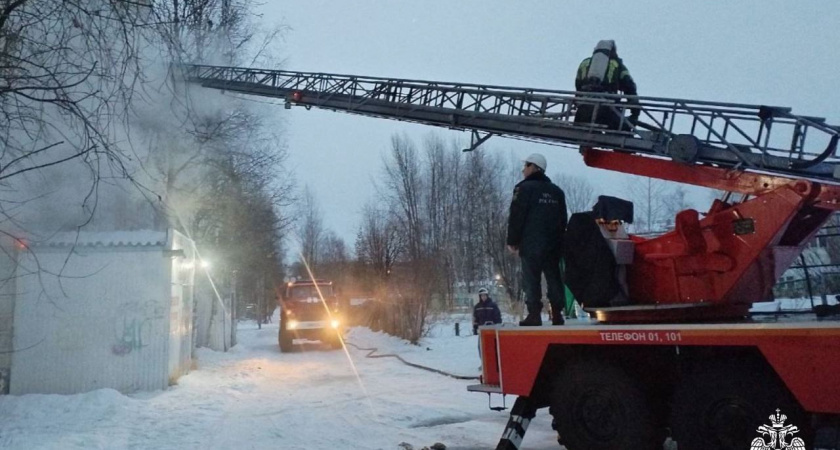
(131,338)
(135,330)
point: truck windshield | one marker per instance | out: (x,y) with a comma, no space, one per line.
(309,291)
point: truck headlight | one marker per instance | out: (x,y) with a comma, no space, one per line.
(335,323)
(292,324)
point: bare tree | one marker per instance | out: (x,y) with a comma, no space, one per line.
(379,244)
(443,170)
(504,263)
(334,261)
(648,196)
(67,77)
(310,230)
(580,195)
(403,186)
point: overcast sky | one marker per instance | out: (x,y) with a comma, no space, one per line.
(784,53)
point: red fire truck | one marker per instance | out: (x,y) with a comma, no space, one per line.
(684,358)
(309,310)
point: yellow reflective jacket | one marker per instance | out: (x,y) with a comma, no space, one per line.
(617,78)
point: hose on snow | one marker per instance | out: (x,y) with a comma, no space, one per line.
(371,354)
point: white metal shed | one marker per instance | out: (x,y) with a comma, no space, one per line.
(103,310)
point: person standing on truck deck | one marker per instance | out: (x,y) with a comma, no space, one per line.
(486,311)
(605,72)
(536,226)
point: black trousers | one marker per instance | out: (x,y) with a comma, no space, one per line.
(532,270)
(606,115)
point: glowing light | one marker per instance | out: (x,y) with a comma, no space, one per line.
(335,323)
(343,347)
(205,264)
(292,325)
(498,277)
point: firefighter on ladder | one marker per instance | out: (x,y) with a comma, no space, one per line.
(605,72)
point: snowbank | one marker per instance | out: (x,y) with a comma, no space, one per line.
(255,397)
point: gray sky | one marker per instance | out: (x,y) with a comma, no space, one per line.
(784,53)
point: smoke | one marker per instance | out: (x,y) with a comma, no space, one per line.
(157,140)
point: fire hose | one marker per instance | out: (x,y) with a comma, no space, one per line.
(371,354)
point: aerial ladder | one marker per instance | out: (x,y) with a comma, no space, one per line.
(684,359)
(709,268)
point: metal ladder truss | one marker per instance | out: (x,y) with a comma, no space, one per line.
(746,137)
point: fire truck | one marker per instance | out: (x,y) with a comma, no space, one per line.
(309,310)
(684,358)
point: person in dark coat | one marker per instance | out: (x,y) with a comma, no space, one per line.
(486,311)
(536,226)
(590,264)
(605,72)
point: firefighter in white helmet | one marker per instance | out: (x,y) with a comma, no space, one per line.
(536,227)
(486,311)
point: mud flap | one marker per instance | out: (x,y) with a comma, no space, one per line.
(520,417)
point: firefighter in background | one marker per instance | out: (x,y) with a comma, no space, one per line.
(486,311)
(536,227)
(605,72)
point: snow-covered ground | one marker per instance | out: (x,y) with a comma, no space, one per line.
(255,397)
(792,304)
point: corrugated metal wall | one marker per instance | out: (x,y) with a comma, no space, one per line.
(104,323)
(204,297)
(182,307)
(7,305)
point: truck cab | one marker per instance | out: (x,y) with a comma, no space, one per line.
(309,310)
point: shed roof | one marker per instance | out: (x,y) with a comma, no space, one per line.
(137,238)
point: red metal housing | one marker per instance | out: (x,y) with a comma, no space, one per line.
(805,355)
(717,266)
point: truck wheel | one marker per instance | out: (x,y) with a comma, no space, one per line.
(285,341)
(597,406)
(720,406)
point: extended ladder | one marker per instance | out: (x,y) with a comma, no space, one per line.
(745,137)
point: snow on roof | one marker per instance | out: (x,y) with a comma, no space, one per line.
(138,238)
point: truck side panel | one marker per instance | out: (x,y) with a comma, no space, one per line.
(810,371)
(806,356)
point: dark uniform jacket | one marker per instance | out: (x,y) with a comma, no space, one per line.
(486,311)
(537,217)
(617,78)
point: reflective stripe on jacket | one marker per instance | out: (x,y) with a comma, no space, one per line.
(617,78)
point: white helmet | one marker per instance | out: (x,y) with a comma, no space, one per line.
(537,160)
(483,291)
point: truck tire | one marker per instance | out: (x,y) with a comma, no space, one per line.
(720,405)
(285,340)
(597,406)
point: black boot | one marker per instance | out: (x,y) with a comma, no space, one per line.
(531,320)
(557,316)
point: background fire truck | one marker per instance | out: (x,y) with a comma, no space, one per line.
(309,310)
